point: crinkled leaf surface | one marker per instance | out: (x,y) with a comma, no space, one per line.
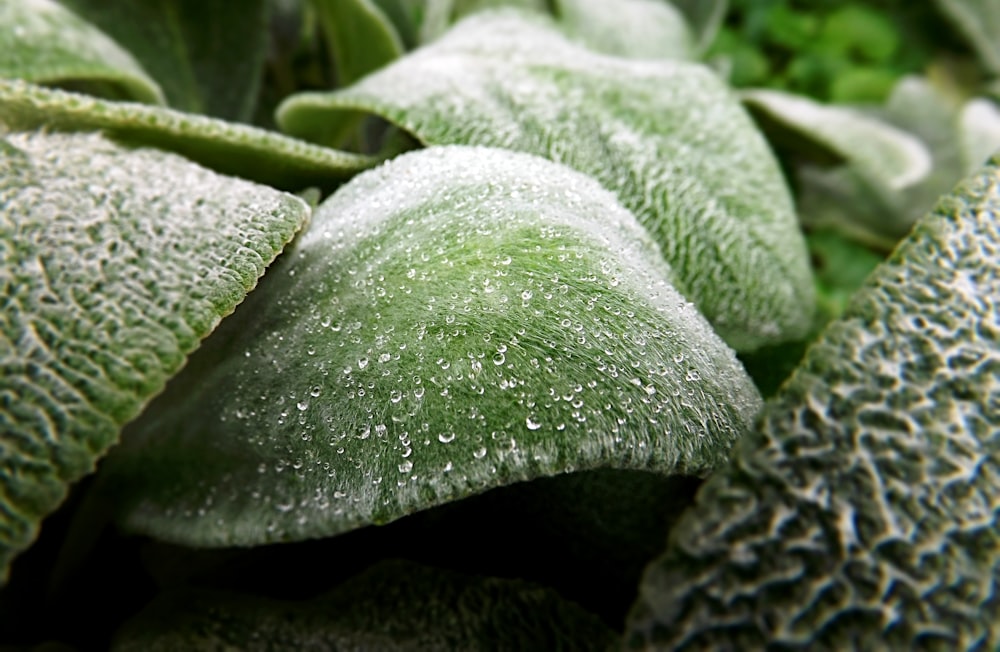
(642,29)
(888,155)
(229,148)
(456,320)
(394,606)
(666,136)
(207,55)
(979,20)
(116,262)
(863,514)
(43,42)
(361,37)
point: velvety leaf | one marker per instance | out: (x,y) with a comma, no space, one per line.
(642,29)
(979,128)
(666,136)
(394,606)
(42,42)
(880,151)
(360,36)
(115,263)
(229,148)
(704,17)
(863,514)
(979,21)
(439,15)
(207,55)
(456,320)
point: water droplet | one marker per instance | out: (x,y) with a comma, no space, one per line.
(316,391)
(480,454)
(406,466)
(302,405)
(446,437)
(532,424)
(362,363)
(395,396)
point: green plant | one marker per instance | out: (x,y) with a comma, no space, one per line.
(508,345)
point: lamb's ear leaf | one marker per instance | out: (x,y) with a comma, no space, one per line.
(882,152)
(395,605)
(115,263)
(207,55)
(641,29)
(45,43)
(458,319)
(979,21)
(863,511)
(979,131)
(360,37)
(666,136)
(705,17)
(226,147)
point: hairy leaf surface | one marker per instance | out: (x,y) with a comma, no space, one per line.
(863,513)
(393,606)
(665,136)
(115,263)
(43,42)
(255,154)
(207,55)
(456,320)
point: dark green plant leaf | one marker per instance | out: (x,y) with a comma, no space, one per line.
(879,151)
(394,606)
(229,148)
(863,513)
(360,37)
(207,55)
(457,320)
(115,263)
(42,42)
(641,29)
(979,21)
(666,136)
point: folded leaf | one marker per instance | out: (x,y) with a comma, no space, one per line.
(886,154)
(456,320)
(394,606)
(43,42)
(115,263)
(863,514)
(666,136)
(229,148)
(207,55)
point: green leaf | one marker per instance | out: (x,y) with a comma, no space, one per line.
(666,136)
(42,42)
(641,29)
(979,21)
(979,129)
(207,55)
(229,148)
(887,155)
(115,263)
(393,606)
(361,38)
(456,320)
(863,512)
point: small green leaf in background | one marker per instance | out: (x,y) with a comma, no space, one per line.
(705,18)
(240,150)
(879,150)
(666,136)
(863,513)
(206,55)
(458,319)
(115,263)
(360,37)
(394,606)
(641,29)
(43,42)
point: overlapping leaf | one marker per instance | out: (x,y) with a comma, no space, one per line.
(207,55)
(979,21)
(457,320)
(864,512)
(229,148)
(394,606)
(667,137)
(115,263)
(43,42)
